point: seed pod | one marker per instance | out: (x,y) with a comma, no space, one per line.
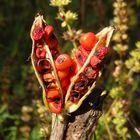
(66,82)
(80,87)
(45,70)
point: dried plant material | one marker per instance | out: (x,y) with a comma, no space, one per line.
(66,81)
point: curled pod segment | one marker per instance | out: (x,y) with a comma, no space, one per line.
(42,58)
(84,81)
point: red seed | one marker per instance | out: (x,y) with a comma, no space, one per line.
(84,51)
(81,58)
(75,96)
(48,31)
(91,73)
(52,42)
(88,40)
(63,61)
(48,77)
(102,52)
(95,61)
(74,68)
(55,106)
(43,66)
(54,53)
(65,82)
(63,73)
(37,33)
(40,53)
(52,93)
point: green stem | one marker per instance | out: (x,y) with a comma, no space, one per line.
(124,138)
(73,42)
(61,9)
(107,128)
(113,103)
(130,73)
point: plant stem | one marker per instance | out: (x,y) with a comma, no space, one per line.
(73,42)
(107,128)
(109,110)
(124,138)
(61,9)
(58,127)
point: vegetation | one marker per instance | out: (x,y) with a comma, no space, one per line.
(22,114)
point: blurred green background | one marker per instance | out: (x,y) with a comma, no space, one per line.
(19,89)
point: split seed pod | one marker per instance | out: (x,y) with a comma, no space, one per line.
(103,40)
(57,95)
(45,70)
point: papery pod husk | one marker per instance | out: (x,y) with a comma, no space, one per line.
(103,40)
(39,21)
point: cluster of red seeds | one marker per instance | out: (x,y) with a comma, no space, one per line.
(66,67)
(91,71)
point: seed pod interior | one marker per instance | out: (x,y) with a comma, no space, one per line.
(85,80)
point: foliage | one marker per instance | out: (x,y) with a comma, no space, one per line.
(22,114)
(133,62)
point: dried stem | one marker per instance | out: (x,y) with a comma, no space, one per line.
(81,124)
(58,127)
